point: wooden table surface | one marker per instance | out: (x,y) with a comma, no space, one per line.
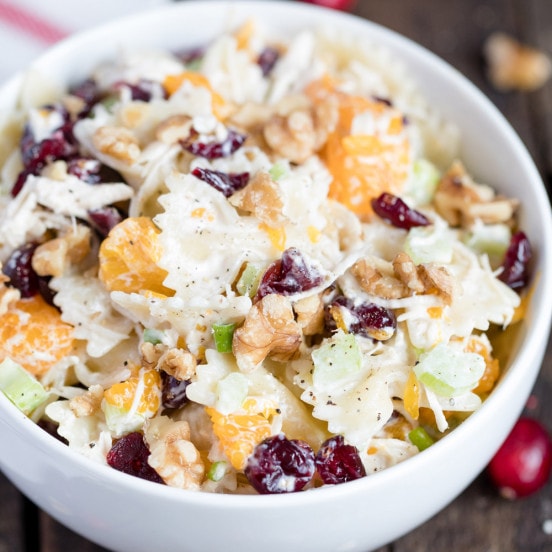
(478,520)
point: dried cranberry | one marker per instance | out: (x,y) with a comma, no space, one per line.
(393,209)
(338,462)
(226,183)
(130,455)
(267,60)
(104,219)
(515,271)
(89,92)
(366,319)
(85,169)
(523,463)
(19,269)
(144,90)
(173,391)
(280,465)
(288,275)
(191,55)
(214,150)
(60,144)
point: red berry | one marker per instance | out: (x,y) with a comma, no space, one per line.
(130,455)
(338,462)
(344,5)
(522,464)
(280,465)
(394,210)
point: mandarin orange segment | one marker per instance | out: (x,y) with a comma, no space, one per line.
(33,335)
(411,398)
(492,366)
(363,165)
(129,257)
(141,393)
(173,82)
(240,433)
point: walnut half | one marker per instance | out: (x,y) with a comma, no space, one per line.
(268,329)
(515,66)
(173,456)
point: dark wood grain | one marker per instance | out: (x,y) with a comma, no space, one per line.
(478,520)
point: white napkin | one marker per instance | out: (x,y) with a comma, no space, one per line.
(28,27)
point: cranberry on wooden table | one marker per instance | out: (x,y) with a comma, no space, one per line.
(344,5)
(523,463)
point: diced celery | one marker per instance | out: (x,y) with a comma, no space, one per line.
(153,336)
(420,438)
(423,182)
(120,421)
(194,65)
(217,471)
(249,279)
(279,169)
(21,387)
(337,359)
(425,245)
(492,239)
(223,333)
(449,372)
(232,391)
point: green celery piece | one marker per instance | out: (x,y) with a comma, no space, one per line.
(223,334)
(449,372)
(492,239)
(21,387)
(337,359)
(423,183)
(249,279)
(153,336)
(217,470)
(424,245)
(420,438)
(278,170)
(121,421)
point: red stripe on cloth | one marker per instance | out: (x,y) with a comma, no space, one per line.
(31,24)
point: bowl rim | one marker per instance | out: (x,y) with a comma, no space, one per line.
(513,376)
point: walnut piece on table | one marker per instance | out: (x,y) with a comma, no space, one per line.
(513,65)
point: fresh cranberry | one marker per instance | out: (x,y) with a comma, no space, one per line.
(130,455)
(280,465)
(267,60)
(288,275)
(366,319)
(338,462)
(214,150)
(344,5)
(103,219)
(515,272)
(394,210)
(226,183)
(19,269)
(523,463)
(173,392)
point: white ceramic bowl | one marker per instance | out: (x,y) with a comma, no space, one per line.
(125,513)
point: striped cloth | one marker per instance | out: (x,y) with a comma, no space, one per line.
(27,27)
